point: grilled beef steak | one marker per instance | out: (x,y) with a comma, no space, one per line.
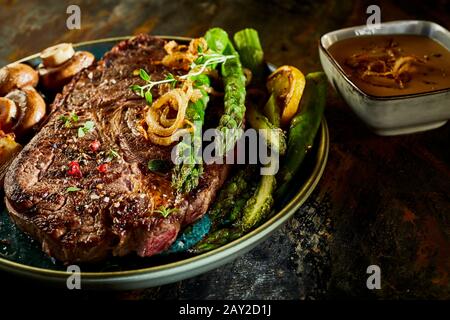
(112,210)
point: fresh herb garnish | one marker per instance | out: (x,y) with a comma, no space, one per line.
(158,165)
(144,75)
(73,189)
(145,91)
(68,120)
(111,155)
(205,60)
(165,212)
(171,77)
(198,67)
(148,97)
(88,126)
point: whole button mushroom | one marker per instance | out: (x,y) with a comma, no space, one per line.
(31,108)
(16,76)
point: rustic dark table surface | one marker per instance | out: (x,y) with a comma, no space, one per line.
(382,200)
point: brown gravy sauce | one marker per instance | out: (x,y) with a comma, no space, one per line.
(393,65)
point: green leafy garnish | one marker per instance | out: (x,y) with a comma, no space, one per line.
(145,91)
(171,77)
(206,60)
(148,97)
(144,75)
(137,89)
(165,212)
(88,126)
(198,67)
(73,189)
(158,165)
(68,120)
(112,154)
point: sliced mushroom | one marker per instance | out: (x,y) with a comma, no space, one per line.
(8,114)
(31,108)
(9,148)
(57,55)
(16,76)
(55,78)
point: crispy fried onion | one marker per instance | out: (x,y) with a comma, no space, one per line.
(164,121)
(385,66)
(181,56)
(162,129)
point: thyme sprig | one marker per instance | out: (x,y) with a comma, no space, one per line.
(197,67)
(145,90)
(204,61)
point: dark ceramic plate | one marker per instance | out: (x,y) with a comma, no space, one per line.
(21,255)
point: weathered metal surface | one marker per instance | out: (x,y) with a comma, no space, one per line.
(382,200)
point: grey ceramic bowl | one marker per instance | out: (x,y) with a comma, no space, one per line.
(390,115)
(25,258)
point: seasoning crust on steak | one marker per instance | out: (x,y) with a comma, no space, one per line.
(113,212)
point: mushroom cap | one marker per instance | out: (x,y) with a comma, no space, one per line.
(55,78)
(31,108)
(8,114)
(16,76)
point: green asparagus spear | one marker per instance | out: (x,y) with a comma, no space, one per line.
(303,129)
(236,190)
(256,208)
(185,176)
(217,39)
(217,239)
(259,205)
(250,50)
(226,210)
(272,111)
(273,136)
(234,83)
